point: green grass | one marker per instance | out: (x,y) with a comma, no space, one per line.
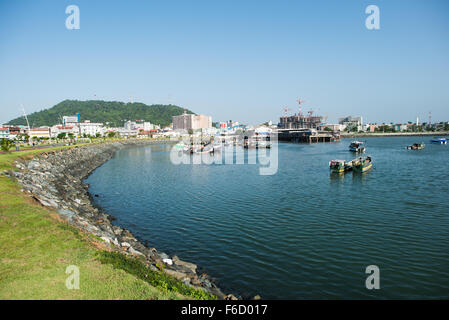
(36,247)
(159,280)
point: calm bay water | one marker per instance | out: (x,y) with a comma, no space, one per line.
(301,233)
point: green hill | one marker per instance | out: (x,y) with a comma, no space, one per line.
(113,112)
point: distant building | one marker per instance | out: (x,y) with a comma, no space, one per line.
(221,125)
(371,127)
(333,127)
(231,124)
(91,128)
(130,125)
(147,126)
(352,123)
(42,132)
(68,120)
(400,127)
(58,129)
(124,133)
(191,121)
(300,122)
(4,133)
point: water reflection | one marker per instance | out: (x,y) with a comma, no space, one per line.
(336,178)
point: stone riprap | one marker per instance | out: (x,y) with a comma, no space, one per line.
(55,179)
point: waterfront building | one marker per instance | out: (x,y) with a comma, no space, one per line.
(188,121)
(130,125)
(4,133)
(332,127)
(91,128)
(42,132)
(147,126)
(371,127)
(57,129)
(352,123)
(300,122)
(400,127)
(125,133)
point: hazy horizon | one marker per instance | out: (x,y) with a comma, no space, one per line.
(243,61)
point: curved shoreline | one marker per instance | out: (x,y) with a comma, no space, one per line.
(394,134)
(55,179)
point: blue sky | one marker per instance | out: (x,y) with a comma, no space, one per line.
(240,60)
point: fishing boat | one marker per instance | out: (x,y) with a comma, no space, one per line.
(340,166)
(357,146)
(439,140)
(262,144)
(217,146)
(362,164)
(187,149)
(416,146)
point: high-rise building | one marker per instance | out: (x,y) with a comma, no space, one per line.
(188,121)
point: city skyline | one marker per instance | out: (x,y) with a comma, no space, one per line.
(240,61)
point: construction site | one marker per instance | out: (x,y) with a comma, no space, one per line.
(304,128)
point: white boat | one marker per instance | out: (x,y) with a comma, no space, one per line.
(357,146)
(439,140)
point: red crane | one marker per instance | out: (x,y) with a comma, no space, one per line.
(299,104)
(286,110)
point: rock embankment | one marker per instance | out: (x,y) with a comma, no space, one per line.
(55,179)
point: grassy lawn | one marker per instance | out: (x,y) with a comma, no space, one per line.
(36,247)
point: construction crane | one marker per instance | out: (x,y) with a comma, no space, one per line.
(286,110)
(309,113)
(299,104)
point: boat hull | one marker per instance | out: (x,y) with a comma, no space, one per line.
(363,168)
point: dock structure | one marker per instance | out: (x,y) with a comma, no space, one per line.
(307,136)
(303,128)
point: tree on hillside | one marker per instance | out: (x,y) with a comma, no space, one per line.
(111,112)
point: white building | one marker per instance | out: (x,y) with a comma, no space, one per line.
(123,132)
(57,129)
(130,125)
(91,128)
(147,126)
(71,120)
(4,133)
(351,123)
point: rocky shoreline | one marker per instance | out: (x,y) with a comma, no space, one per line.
(55,179)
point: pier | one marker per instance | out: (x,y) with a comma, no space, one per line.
(307,136)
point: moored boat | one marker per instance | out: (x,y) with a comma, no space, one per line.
(439,140)
(416,146)
(362,164)
(340,166)
(357,146)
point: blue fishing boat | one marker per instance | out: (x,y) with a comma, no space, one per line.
(439,140)
(357,146)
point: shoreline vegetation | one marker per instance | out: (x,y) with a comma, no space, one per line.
(47,223)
